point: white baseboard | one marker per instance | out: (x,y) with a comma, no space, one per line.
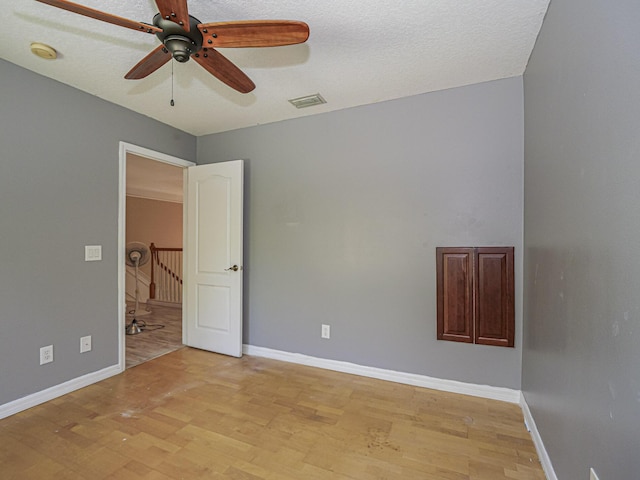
(56,391)
(537,440)
(484,391)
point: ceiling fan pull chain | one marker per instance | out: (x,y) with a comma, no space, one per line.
(172,102)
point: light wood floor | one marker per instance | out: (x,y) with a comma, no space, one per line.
(154,341)
(193,414)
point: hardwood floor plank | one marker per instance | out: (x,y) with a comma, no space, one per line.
(162,335)
(194,414)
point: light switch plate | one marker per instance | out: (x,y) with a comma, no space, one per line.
(92,253)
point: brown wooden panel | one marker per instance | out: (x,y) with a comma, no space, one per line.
(454,293)
(494,287)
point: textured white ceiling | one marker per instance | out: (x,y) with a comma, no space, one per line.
(359,52)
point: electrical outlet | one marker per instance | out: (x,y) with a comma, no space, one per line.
(46,354)
(592,475)
(85,344)
(326,331)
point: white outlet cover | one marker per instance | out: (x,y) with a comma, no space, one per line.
(46,354)
(326,331)
(85,344)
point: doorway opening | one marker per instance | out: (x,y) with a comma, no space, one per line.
(152,225)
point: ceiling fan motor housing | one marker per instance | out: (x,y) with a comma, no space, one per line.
(180,43)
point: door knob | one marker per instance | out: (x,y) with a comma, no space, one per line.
(235,268)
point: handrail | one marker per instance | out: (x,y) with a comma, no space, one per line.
(168,261)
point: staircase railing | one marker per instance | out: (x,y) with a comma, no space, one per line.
(166,274)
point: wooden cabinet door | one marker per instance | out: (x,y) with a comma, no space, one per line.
(475,294)
(494,291)
(455,293)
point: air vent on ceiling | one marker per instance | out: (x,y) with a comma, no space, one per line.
(308,101)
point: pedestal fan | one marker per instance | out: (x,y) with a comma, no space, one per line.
(137,254)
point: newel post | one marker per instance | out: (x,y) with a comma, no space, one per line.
(152,284)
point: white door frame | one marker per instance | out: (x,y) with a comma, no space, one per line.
(125,149)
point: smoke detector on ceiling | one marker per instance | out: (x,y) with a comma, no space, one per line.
(44,51)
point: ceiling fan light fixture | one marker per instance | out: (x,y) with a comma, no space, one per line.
(180,47)
(308,101)
(43,51)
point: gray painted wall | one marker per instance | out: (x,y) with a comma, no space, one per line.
(581,359)
(345,210)
(59,192)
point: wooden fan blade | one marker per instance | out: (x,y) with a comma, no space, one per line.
(175,10)
(149,64)
(224,70)
(105,17)
(255,33)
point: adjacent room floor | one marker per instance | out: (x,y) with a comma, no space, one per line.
(162,335)
(194,414)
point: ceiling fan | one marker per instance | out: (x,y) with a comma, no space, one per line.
(184,37)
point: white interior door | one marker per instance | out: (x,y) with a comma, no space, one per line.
(213,297)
